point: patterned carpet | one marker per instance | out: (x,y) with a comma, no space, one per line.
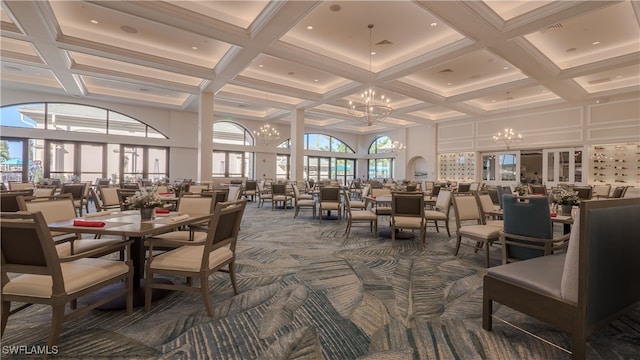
(307,292)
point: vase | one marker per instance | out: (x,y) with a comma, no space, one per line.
(146,213)
(566,209)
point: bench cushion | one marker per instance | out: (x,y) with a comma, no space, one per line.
(543,274)
(569,284)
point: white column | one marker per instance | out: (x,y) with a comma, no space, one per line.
(205,136)
(297,145)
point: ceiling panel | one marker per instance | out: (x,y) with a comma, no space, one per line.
(436,61)
(595,36)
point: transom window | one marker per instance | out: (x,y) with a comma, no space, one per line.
(320,142)
(76,118)
(381,145)
(228,132)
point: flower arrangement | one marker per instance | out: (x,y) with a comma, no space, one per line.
(521,190)
(566,197)
(145,199)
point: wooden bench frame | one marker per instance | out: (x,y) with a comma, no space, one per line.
(608,229)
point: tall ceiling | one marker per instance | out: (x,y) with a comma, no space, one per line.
(435,60)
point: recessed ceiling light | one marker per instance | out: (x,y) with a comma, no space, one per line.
(493,101)
(315,80)
(505,68)
(260,66)
(434,24)
(194,47)
(94,21)
(595,43)
(449,84)
(309,27)
(618,76)
(373,53)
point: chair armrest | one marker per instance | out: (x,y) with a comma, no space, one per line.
(151,242)
(125,244)
(542,242)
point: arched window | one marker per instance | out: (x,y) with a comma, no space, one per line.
(76,118)
(381,145)
(235,163)
(228,132)
(381,168)
(320,142)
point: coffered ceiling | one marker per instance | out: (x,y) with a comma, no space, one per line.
(436,60)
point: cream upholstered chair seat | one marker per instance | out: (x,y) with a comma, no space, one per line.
(467,209)
(329,200)
(78,275)
(407,212)
(193,259)
(303,203)
(40,276)
(189,258)
(360,216)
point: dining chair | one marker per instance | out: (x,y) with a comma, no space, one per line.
(18,185)
(491,213)
(43,192)
(441,212)
(250,189)
(109,197)
(538,189)
(303,203)
(329,200)
(528,230)
(77,191)
(601,191)
(198,259)
(584,192)
(407,212)
(62,208)
(40,276)
(9,200)
(470,224)
(192,206)
(264,194)
(361,203)
(279,196)
(366,216)
(123,195)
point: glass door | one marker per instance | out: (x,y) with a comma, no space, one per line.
(563,166)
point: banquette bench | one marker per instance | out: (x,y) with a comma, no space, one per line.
(594,282)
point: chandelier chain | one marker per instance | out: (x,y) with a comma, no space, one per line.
(370,110)
(509,136)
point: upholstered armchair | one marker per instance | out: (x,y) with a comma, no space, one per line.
(528,230)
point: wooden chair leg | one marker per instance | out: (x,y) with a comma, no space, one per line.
(458,245)
(204,289)
(232,275)
(57,317)
(487,311)
(6,308)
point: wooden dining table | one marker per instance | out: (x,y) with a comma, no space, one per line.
(129,225)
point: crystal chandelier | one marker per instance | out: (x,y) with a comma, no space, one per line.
(370,109)
(266,134)
(397,147)
(509,136)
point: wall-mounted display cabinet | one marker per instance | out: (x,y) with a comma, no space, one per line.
(457,166)
(615,164)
